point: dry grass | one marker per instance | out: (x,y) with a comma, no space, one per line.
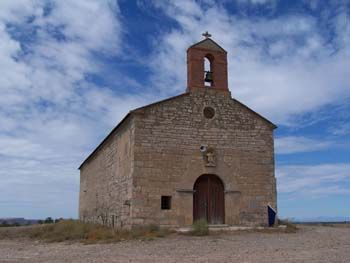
(74,230)
(15,232)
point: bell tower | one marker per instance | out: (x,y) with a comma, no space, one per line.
(207,66)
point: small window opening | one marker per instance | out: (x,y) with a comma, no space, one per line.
(208,74)
(165,202)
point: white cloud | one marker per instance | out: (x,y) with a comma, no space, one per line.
(281,67)
(74,18)
(243,4)
(298,144)
(49,110)
(61,54)
(341,129)
(38,188)
(18,11)
(314,180)
(257,1)
(16,147)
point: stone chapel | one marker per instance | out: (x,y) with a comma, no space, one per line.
(199,155)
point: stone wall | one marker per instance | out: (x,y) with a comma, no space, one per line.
(106,180)
(167,159)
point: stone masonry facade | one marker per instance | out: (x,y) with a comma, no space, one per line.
(106,180)
(157,151)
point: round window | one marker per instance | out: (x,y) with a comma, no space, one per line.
(209,112)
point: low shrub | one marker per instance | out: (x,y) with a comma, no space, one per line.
(290,227)
(200,228)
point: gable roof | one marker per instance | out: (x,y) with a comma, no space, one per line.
(127,116)
(138,110)
(274,126)
(105,139)
(208,43)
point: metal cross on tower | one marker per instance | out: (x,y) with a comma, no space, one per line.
(206,34)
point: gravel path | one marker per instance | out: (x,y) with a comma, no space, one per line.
(310,244)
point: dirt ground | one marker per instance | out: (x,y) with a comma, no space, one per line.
(309,244)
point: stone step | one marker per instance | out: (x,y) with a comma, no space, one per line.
(217,226)
(223,227)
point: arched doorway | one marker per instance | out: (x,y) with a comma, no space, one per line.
(208,199)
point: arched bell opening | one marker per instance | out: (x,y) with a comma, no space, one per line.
(209,199)
(208,71)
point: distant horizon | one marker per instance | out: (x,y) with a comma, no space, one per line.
(318,219)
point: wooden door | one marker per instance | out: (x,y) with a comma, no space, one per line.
(208,199)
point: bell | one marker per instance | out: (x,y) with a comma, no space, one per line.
(208,76)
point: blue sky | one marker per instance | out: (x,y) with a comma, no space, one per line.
(70,70)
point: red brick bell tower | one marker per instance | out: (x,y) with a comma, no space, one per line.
(213,78)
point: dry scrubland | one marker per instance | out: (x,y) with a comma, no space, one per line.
(86,243)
